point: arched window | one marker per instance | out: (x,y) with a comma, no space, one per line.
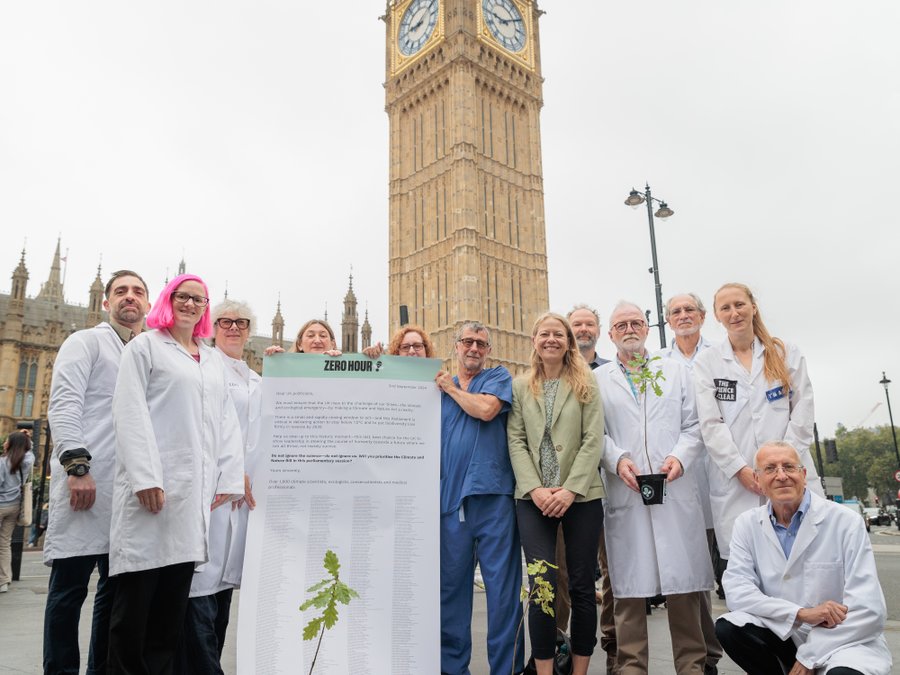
(26,383)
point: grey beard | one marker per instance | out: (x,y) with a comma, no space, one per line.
(584,345)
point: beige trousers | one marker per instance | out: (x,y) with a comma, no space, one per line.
(688,645)
(8,517)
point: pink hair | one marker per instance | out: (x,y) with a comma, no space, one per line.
(161,316)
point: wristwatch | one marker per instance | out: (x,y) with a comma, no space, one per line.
(79,470)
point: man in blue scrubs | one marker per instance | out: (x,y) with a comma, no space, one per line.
(478,517)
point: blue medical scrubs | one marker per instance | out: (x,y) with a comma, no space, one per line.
(478,524)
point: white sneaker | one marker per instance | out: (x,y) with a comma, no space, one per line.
(4,588)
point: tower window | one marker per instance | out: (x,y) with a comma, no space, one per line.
(23,403)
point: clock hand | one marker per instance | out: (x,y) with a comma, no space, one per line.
(505,21)
(412,29)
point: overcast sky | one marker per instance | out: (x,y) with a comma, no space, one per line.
(251,138)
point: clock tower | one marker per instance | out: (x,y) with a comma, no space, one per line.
(467,234)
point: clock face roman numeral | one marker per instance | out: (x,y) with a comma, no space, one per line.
(417,26)
(505,22)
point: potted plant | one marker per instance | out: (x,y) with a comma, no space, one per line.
(652,485)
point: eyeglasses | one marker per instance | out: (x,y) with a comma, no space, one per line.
(182,298)
(415,346)
(772,469)
(468,342)
(225,324)
(623,326)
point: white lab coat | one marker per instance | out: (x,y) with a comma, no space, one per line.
(831,559)
(660,548)
(700,473)
(176,429)
(80,416)
(227,527)
(734,430)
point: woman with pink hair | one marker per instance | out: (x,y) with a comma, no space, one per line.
(178,456)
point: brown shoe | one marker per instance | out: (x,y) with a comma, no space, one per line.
(611,668)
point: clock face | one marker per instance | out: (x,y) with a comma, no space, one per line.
(417,25)
(505,23)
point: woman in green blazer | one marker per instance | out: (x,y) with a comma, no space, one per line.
(555,432)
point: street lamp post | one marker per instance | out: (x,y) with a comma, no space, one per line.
(634,200)
(885,382)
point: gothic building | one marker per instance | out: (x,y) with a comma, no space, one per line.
(33,328)
(31,331)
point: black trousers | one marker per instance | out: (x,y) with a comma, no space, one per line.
(582,524)
(69,578)
(760,652)
(147,620)
(205,625)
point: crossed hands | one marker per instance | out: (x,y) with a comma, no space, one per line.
(553,502)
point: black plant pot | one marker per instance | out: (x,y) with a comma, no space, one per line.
(652,487)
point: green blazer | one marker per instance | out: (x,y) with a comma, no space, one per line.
(576,432)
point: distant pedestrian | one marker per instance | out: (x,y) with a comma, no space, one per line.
(15,470)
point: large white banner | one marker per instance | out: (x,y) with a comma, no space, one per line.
(350,463)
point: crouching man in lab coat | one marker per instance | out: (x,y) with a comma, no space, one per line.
(801,581)
(659,548)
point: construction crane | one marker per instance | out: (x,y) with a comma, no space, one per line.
(871,412)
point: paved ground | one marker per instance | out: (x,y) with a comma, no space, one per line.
(21,620)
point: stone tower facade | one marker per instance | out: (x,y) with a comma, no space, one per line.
(467,233)
(350,322)
(366,333)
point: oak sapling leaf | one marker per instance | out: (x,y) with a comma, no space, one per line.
(328,593)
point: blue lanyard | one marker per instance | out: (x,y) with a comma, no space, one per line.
(627,375)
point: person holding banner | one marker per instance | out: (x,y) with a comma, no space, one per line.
(314,337)
(214,583)
(555,443)
(410,340)
(478,518)
(178,457)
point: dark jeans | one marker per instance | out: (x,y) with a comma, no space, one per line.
(760,652)
(147,620)
(582,524)
(205,624)
(69,579)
